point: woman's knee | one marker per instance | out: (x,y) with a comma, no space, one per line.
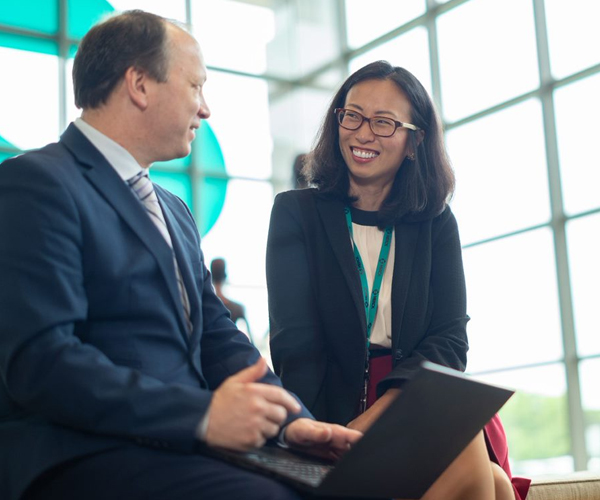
(502,485)
(469,476)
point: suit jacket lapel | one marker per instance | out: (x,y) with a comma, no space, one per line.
(406,236)
(184,264)
(332,215)
(116,192)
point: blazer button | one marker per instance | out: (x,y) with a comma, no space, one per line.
(398,355)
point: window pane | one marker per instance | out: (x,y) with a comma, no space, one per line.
(83,15)
(501,174)
(28,43)
(369,20)
(240,120)
(254,299)
(240,234)
(584,248)
(233,35)
(295,120)
(513,302)
(72,111)
(173,9)
(240,237)
(590,374)
(536,420)
(28,98)
(487,55)
(411,51)
(577,110)
(306,37)
(36,15)
(573,35)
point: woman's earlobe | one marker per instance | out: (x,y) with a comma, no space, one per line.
(135,82)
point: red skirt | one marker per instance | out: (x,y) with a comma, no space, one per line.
(495,437)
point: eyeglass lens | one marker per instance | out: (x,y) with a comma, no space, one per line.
(352,120)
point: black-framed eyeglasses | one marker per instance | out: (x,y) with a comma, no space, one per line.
(380,125)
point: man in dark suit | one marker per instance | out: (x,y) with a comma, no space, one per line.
(116,357)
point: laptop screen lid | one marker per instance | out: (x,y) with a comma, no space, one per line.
(436,416)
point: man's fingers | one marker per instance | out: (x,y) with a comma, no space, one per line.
(276,395)
(244,412)
(276,414)
(252,373)
(269,429)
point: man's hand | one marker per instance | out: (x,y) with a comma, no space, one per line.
(245,413)
(320,438)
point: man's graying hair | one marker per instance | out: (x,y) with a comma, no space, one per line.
(132,39)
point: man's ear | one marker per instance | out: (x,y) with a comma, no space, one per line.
(136,85)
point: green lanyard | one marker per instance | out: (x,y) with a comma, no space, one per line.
(372,301)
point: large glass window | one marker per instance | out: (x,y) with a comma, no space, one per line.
(525,158)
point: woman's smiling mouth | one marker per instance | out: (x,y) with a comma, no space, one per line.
(364,154)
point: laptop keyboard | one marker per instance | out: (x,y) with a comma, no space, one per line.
(311,474)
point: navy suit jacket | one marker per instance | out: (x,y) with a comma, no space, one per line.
(94,352)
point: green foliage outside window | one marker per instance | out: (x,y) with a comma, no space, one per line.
(537,426)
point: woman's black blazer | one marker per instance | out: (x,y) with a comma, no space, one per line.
(317,317)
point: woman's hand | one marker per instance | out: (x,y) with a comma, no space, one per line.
(322,439)
(366,419)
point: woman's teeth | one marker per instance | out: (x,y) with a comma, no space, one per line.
(364,154)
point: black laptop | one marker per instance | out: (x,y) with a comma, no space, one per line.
(437,415)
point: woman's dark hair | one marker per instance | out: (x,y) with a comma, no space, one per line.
(422,187)
(131,39)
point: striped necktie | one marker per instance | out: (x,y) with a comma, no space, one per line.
(142,186)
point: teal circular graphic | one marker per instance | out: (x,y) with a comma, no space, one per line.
(205,193)
(206,196)
(212,190)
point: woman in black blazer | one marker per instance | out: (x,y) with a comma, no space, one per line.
(364,269)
